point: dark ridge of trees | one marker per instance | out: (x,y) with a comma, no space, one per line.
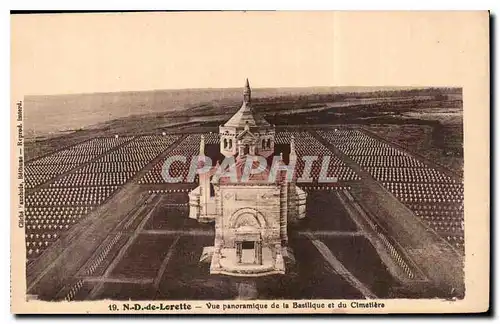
(437,93)
(359,110)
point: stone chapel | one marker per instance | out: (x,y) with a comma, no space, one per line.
(251,212)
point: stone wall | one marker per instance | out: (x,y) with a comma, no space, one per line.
(251,205)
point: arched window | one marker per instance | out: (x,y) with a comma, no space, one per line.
(230,143)
(268,143)
(263,143)
(225,143)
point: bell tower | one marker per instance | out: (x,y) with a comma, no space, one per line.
(246,132)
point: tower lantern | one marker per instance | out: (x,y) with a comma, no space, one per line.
(246,133)
(247,93)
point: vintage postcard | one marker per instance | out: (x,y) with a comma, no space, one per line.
(250,162)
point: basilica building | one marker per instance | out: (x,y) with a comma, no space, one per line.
(251,212)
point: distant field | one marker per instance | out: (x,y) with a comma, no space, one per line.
(55,113)
(427,121)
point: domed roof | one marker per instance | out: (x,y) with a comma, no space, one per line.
(245,115)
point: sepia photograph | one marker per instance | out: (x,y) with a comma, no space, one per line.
(246,162)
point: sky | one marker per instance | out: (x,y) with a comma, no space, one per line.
(75,53)
(84,53)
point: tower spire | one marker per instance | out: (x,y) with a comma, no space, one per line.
(247,93)
(202,145)
(293,153)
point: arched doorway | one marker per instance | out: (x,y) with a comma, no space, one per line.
(247,225)
(248,244)
(246,149)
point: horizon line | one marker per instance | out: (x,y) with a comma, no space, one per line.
(386,88)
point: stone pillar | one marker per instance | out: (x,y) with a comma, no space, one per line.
(284,205)
(238,251)
(215,265)
(255,253)
(279,263)
(194,206)
(258,252)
